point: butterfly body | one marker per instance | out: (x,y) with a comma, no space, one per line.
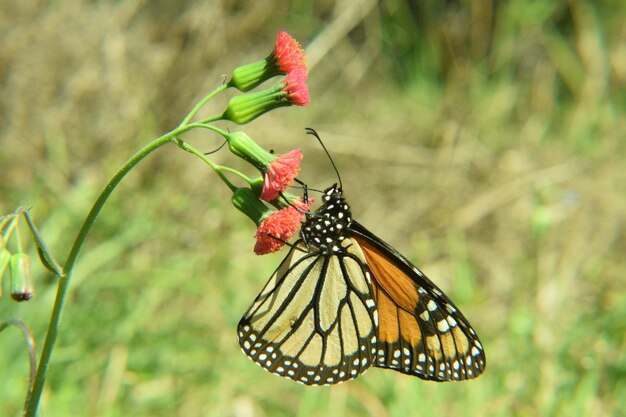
(327,227)
(344,300)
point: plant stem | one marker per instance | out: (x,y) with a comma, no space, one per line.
(64,282)
(202,102)
(218,169)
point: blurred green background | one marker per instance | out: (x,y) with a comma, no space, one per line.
(485,140)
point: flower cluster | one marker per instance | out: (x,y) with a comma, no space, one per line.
(277,214)
(275,227)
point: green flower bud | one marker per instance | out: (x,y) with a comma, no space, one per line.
(21,283)
(249,203)
(243,146)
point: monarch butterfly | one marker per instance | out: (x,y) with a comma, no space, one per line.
(343,300)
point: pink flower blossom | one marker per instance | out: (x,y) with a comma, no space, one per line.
(288,54)
(277,228)
(280,174)
(296,88)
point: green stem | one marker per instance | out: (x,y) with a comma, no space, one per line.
(215,129)
(201,103)
(237,173)
(212,119)
(10,219)
(218,169)
(64,282)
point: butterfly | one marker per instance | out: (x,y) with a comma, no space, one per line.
(343,300)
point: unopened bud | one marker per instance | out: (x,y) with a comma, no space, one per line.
(21,283)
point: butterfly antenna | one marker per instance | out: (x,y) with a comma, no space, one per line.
(304,186)
(314,133)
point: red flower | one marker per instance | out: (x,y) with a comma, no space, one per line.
(288,54)
(277,228)
(280,174)
(296,88)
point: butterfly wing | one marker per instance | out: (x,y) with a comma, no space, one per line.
(421,332)
(315,321)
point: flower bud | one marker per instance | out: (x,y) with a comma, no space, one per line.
(243,146)
(21,283)
(248,202)
(245,108)
(286,57)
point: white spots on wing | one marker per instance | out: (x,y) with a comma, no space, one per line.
(451,321)
(432,306)
(443,326)
(425,316)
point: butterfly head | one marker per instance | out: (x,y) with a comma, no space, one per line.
(327,227)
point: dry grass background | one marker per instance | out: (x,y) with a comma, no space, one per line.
(483,139)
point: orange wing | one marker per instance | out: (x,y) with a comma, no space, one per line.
(420,331)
